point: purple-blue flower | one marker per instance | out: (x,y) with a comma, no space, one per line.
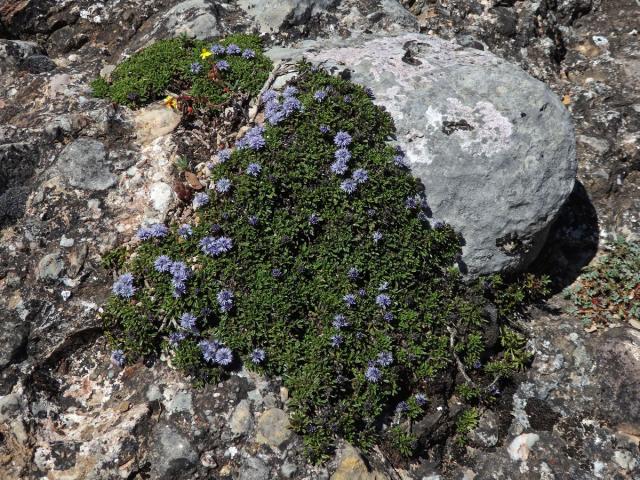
(353,273)
(209,349)
(254,169)
(291,105)
(180,272)
(360,175)
(383,300)
(269,95)
(276,272)
(200,199)
(224,155)
(350,299)
(336,341)
(222,65)
(369,92)
(342,139)
(123,287)
(342,154)
(437,224)
(290,91)
(273,112)
(253,139)
(347,99)
(339,167)
(118,358)
(314,219)
(421,399)
(217,49)
(377,236)
(320,95)
(400,161)
(188,322)
(248,53)
(175,338)
(216,246)
(340,321)
(373,374)
(162,264)
(349,186)
(224,356)
(402,407)
(258,356)
(411,202)
(233,49)
(384,359)
(185,230)
(362,292)
(253,220)
(225,300)
(196,67)
(157,230)
(388,317)
(223,185)
(324,129)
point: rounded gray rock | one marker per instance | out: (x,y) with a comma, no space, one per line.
(84,164)
(494,148)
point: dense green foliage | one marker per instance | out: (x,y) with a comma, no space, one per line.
(166,66)
(609,289)
(289,276)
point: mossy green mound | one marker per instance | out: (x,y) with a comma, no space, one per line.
(313,259)
(178,65)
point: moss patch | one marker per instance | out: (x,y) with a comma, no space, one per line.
(337,282)
(177,66)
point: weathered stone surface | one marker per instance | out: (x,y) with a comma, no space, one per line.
(253,469)
(13,52)
(242,419)
(13,337)
(351,466)
(494,147)
(173,456)
(273,428)
(84,164)
(50,266)
(155,121)
(271,15)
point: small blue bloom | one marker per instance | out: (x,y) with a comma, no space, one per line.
(437,224)
(248,54)
(175,338)
(340,321)
(369,92)
(383,286)
(373,374)
(224,356)
(411,202)
(324,129)
(314,219)
(223,185)
(254,169)
(291,105)
(253,220)
(200,199)
(339,167)
(179,288)
(217,49)
(388,317)
(400,161)
(477,364)
(336,341)
(188,322)
(269,95)
(353,273)
(163,264)
(349,186)
(402,407)
(384,359)
(347,99)
(196,67)
(320,95)
(290,91)
(342,139)
(233,49)
(360,175)
(209,349)
(123,287)
(350,299)
(273,112)
(180,272)
(216,246)
(258,356)
(156,230)
(342,154)
(377,236)
(421,399)
(185,230)
(383,300)
(222,65)
(253,139)
(118,358)
(224,155)
(225,300)
(362,292)
(276,273)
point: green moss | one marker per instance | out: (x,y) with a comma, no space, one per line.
(290,315)
(165,67)
(609,289)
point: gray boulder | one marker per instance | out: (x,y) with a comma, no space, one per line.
(494,147)
(84,164)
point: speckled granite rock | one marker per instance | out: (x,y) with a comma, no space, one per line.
(494,147)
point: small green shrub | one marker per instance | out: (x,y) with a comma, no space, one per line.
(343,288)
(176,66)
(466,422)
(609,289)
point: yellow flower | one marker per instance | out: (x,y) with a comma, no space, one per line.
(205,53)
(171,102)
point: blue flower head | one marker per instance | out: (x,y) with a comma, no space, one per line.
(215,246)
(290,91)
(123,287)
(349,186)
(320,95)
(383,300)
(362,292)
(118,358)
(377,236)
(411,202)
(175,338)
(162,264)
(253,220)
(360,175)
(254,169)
(225,300)
(342,139)
(196,67)
(223,185)
(400,161)
(188,322)
(350,299)
(180,272)
(253,139)
(353,273)
(258,356)
(291,105)
(269,95)
(388,317)
(222,65)
(224,155)
(340,321)
(276,273)
(185,230)
(402,407)
(384,359)
(336,341)
(209,349)
(373,374)
(314,219)
(157,230)
(273,112)
(369,92)
(248,53)
(233,49)
(342,154)
(224,356)
(324,129)
(339,167)
(217,49)
(347,99)
(200,199)
(421,399)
